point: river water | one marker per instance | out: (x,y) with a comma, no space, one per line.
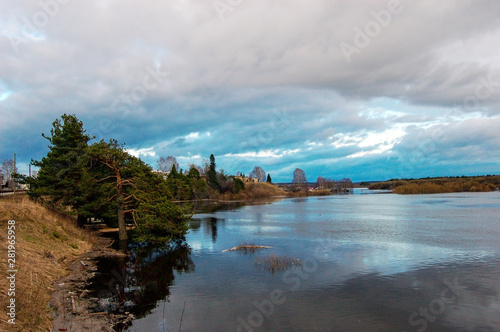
(362,263)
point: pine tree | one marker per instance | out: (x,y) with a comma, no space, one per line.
(212,175)
(117,174)
(103,180)
(269,180)
(61,175)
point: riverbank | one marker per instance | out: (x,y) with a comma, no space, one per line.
(263,190)
(54,259)
(440,185)
(75,309)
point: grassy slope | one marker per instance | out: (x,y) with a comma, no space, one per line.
(256,191)
(264,190)
(45,243)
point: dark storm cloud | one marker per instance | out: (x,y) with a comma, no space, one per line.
(264,82)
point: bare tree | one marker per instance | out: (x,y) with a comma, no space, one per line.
(166,164)
(330,183)
(321,183)
(258,173)
(8,169)
(299,177)
(205,165)
(344,185)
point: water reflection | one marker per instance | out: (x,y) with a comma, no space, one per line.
(370,263)
(136,283)
(209,225)
(206,206)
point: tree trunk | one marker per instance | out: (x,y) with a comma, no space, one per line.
(122,230)
(81,220)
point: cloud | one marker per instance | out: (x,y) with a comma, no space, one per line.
(147,152)
(263,154)
(177,78)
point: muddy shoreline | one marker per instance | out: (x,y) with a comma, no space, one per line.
(73,306)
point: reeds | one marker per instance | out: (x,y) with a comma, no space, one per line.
(247,248)
(440,185)
(274,263)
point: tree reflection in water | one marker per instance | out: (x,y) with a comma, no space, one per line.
(137,282)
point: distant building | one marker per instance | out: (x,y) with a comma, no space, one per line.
(161,173)
(247,180)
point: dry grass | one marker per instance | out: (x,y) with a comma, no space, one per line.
(274,263)
(441,185)
(45,243)
(247,248)
(263,190)
(434,188)
(260,190)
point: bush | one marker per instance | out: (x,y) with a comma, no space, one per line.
(160,221)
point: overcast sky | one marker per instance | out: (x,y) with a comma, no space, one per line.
(362,89)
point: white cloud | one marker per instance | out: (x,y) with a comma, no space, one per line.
(192,136)
(146,152)
(379,150)
(264,154)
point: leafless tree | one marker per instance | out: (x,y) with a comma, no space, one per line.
(259,173)
(166,164)
(330,183)
(344,184)
(8,169)
(321,183)
(299,177)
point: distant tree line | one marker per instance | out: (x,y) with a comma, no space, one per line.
(440,184)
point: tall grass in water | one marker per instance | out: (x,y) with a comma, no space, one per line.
(447,187)
(247,248)
(274,263)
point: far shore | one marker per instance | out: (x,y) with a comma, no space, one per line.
(440,185)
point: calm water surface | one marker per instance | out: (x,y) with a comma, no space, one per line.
(368,263)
